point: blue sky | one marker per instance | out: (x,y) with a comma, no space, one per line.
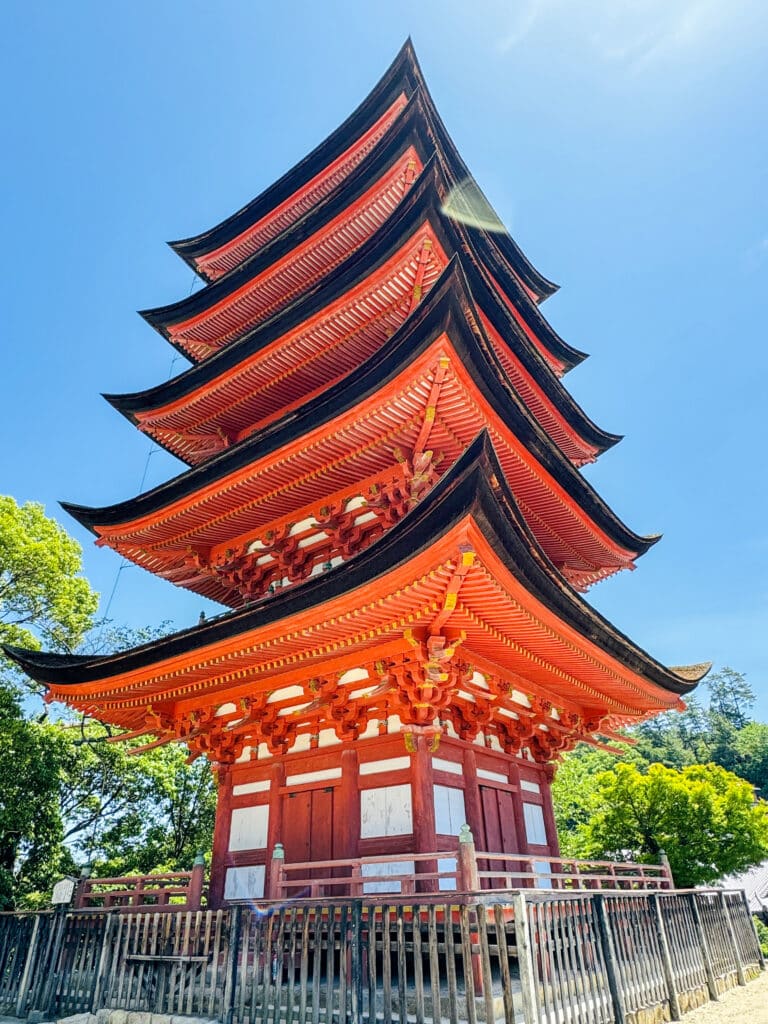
(623,144)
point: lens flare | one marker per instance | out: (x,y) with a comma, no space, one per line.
(466,204)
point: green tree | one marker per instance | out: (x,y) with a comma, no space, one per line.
(574,792)
(703,816)
(67,795)
(749,754)
(43,596)
(44,599)
(703,732)
(731,697)
(170,816)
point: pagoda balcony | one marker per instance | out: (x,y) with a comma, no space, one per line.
(464,870)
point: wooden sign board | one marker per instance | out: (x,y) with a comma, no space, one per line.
(63,891)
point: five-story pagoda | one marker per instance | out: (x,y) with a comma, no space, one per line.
(383,486)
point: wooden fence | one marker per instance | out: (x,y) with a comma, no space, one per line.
(531,956)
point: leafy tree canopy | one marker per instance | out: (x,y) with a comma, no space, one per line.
(66,795)
(705,818)
(43,597)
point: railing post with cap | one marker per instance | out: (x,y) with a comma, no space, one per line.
(664,861)
(195,889)
(81,889)
(277,873)
(468,879)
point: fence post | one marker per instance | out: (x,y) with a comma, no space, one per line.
(276,873)
(468,879)
(104,960)
(525,958)
(195,890)
(230,965)
(357,960)
(704,945)
(742,978)
(27,972)
(48,1000)
(609,956)
(666,959)
(760,957)
(664,861)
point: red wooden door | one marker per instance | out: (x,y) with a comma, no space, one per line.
(308,826)
(500,835)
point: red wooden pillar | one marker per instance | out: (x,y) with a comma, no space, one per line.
(517,806)
(423,805)
(548,810)
(275,826)
(472,805)
(347,815)
(221,836)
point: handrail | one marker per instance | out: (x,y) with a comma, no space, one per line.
(347,874)
(140,891)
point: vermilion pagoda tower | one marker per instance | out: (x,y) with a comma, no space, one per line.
(384,489)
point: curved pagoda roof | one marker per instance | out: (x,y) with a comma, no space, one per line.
(215,252)
(462,566)
(255,378)
(358,414)
(298,259)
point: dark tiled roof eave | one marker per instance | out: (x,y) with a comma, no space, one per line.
(464,490)
(404,75)
(444,308)
(420,205)
(396,79)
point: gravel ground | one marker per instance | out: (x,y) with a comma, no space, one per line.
(736,1006)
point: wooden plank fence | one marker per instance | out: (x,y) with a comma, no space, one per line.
(521,956)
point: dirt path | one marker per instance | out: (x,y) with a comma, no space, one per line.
(743,1005)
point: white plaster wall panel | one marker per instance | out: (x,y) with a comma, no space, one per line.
(327,738)
(249,828)
(372,729)
(352,675)
(389,764)
(244,883)
(441,765)
(262,786)
(226,709)
(320,776)
(301,744)
(405,867)
(535,831)
(386,811)
(450,814)
(479,679)
(530,787)
(285,694)
(484,773)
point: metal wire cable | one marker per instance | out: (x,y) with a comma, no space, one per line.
(154,450)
